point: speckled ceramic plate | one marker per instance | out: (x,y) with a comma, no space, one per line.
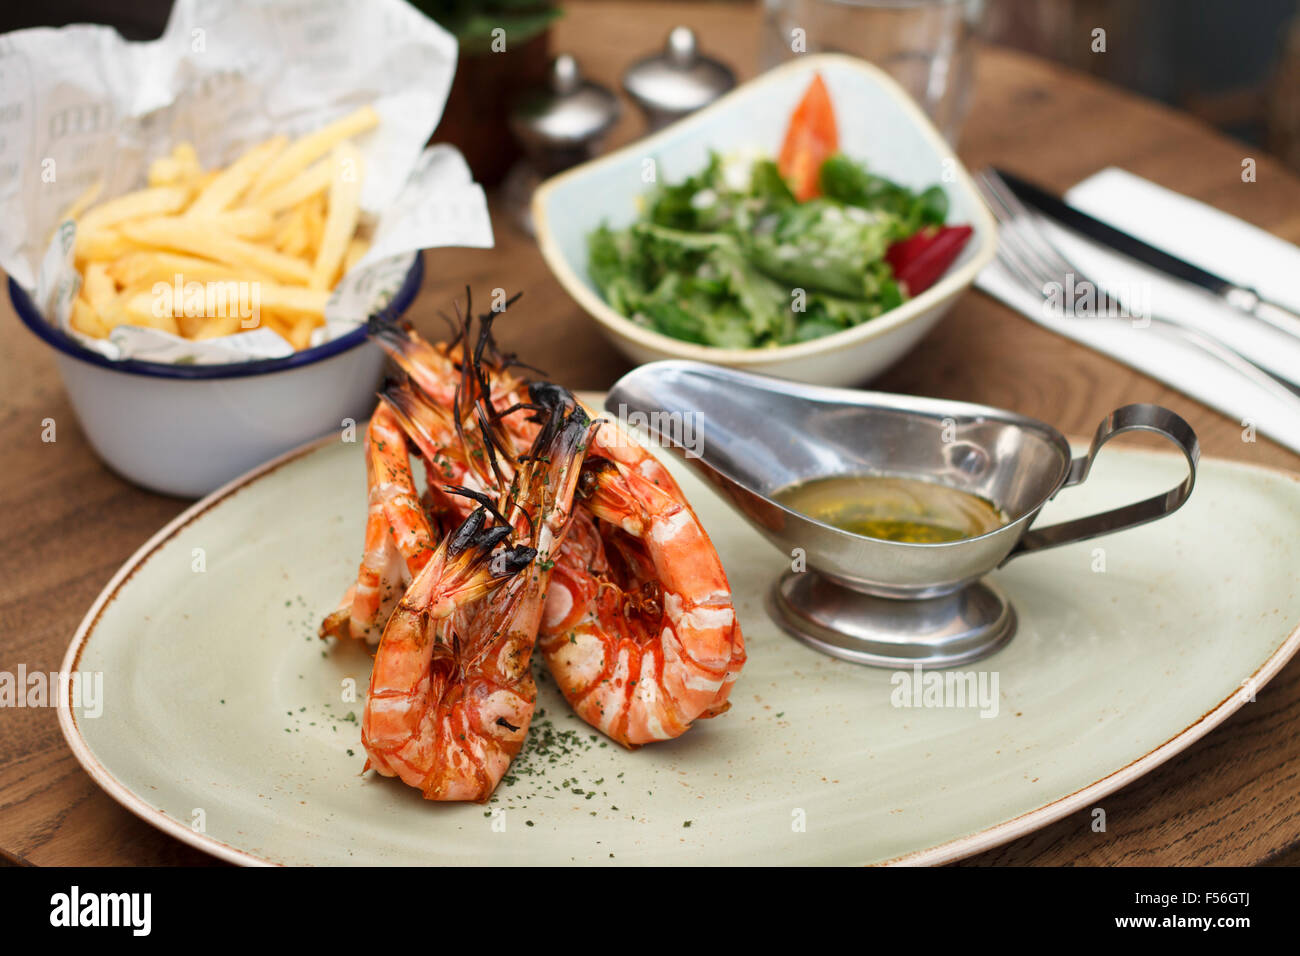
(224,721)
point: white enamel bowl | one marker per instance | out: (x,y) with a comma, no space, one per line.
(187,429)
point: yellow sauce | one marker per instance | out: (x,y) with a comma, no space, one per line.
(893,509)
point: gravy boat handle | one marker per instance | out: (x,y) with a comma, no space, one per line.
(1139,417)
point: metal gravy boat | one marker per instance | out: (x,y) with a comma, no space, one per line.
(865,599)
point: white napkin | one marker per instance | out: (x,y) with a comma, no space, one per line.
(1205,237)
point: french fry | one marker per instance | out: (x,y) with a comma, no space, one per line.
(314,224)
(158,201)
(217,326)
(165,171)
(277,323)
(229,184)
(187,162)
(291,239)
(115,314)
(341,222)
(83,202)
(311,148)
(296,329)
(297,245)
(300,333)
(310,182)
(248,223)
(137,306)
(86,320)
(191,326)
(98,286)
(103,245)
(148,267)
(357,250)
(184,236)
(293,299)
(178,168)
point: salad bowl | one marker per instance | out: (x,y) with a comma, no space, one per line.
(878,124)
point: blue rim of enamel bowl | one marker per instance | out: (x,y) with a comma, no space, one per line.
(58,339)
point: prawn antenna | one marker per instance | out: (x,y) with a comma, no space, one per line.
(480,497)
(516,407)
(490,444)
(452,329)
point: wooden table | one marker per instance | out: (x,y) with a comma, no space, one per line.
(1229,799)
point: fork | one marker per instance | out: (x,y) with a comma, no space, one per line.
(1027,252)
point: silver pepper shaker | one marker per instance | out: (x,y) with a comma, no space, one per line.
(559,125)
(563,124)
(677,81)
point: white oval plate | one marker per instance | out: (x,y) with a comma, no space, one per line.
(223,720)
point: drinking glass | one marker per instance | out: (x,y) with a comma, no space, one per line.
(926,45)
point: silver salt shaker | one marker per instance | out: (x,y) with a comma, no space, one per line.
(563,124)
(559,125)
(677,81)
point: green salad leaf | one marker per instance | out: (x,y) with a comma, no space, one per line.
(751,267)
(848,182)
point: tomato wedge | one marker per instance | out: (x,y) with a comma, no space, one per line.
(810,139)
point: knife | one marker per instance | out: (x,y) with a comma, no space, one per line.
(1242,298)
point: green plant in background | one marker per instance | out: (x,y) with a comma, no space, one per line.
(472,21)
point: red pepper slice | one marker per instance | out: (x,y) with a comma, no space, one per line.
(810,139)
(920,260)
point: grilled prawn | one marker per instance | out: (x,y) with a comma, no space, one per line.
(451,692)
(639,630)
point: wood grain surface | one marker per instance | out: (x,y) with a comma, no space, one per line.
(1233,798)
